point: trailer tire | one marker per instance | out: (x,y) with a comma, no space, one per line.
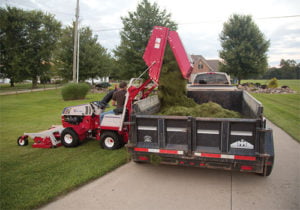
(22,142)
(69,138)
(268,171)
(110,140)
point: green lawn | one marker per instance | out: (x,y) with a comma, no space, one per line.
(31,177)
(282,109)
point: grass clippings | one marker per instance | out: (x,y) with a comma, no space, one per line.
(173,98)
(209,109)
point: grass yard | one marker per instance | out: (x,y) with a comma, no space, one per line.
(32,177)
(282,109)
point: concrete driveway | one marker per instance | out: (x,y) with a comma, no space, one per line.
(144,186)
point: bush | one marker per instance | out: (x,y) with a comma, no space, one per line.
(257,84)
(263,86)
(73,91)
(273,83)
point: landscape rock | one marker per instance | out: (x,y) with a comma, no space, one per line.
(264,89)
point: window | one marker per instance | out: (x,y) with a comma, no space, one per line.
(200,66)
(211,78)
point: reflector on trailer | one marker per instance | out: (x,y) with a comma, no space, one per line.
(143,158)
(247,168)
(162,151)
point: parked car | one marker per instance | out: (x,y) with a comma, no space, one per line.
(101,85)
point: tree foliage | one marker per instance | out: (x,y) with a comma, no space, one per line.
(244,48)
(289,69)
(136,31)
(12,24)
(94,60)
(28,39)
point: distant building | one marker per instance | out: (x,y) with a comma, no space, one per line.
(200,64)
(4,81)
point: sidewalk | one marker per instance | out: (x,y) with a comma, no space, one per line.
(27,91)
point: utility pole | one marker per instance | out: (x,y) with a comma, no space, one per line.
(77,65)
(76,47)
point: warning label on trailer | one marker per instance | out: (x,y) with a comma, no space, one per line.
(242,144)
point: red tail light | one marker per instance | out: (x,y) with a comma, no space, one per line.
(247,168)
(143,158)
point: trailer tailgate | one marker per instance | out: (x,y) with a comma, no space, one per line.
(196,135)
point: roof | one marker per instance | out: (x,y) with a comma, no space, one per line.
(213,64)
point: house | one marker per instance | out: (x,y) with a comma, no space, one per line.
(200,64)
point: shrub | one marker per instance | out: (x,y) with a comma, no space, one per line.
(257,84)
(263,86)
(273,83)
(73,91)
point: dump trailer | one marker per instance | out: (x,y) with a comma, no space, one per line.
(241,144)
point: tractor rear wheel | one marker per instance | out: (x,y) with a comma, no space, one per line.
(69,138)
(110,140)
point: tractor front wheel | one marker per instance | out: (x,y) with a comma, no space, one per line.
(22,141)
(69,138)
(110,140)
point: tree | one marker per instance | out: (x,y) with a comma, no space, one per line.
(244,48)
(94,60)
(12,43)
(136,31)
(289,69)
(43,33)
(27,49)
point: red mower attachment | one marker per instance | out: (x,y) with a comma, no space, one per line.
(44,139)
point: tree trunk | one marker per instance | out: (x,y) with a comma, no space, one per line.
(12,82)
(34,82)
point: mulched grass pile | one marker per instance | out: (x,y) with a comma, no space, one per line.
(172,95)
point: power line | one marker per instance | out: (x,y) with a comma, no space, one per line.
(107,29)
(207,21)
(279,17)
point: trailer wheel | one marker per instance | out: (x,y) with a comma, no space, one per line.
(110,140)
(69,138)
(268,171)
(22,141)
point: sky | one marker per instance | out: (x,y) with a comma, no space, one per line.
(199,22)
